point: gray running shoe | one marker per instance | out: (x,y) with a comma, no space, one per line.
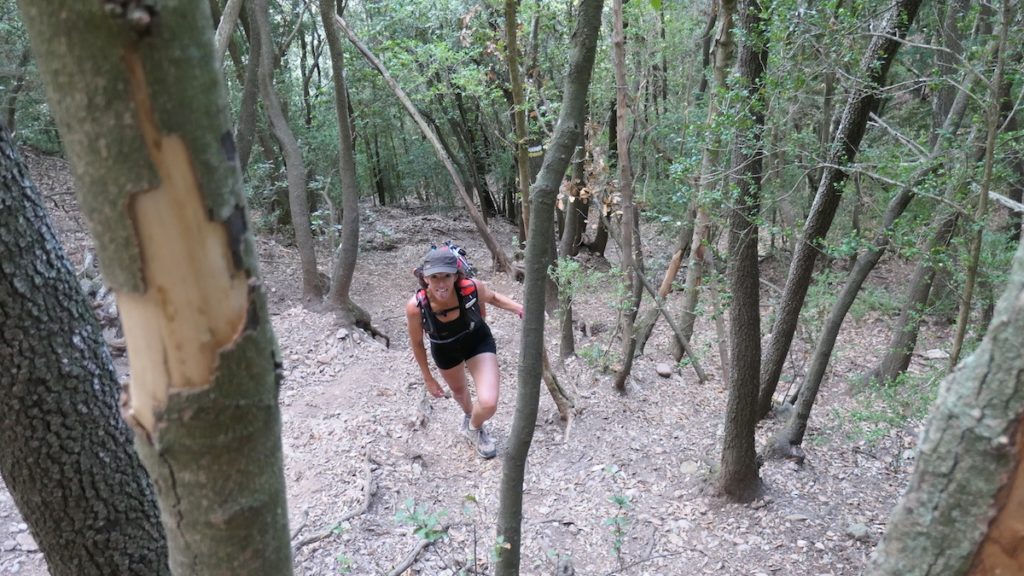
(482,441)
(464,427)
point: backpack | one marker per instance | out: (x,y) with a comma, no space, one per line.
(469,302)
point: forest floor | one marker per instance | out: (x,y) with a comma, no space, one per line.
(627,491)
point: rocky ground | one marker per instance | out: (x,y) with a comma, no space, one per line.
(625,490)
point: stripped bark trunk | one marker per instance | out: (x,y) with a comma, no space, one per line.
(159,185)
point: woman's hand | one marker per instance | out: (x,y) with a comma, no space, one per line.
(433,387)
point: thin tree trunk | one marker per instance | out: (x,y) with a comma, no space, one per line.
(904,333)
(298,200)
(154,142)
(245,131)
(522,159)
(648,321)
(961,513)
(570,124)
(862,100)
(228,20)
(629,215)
(793,434)
(723,56)
(501,261)
(739,479)
(105,520)
(11,102)
(339,298)
(995,107)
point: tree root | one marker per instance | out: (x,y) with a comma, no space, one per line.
(410,558)
(369,489)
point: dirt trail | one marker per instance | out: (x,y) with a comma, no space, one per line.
(354,410)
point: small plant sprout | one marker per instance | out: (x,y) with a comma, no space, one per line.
(619,523)
(426,524)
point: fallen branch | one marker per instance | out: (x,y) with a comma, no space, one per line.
(672,324)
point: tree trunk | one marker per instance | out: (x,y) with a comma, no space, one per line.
(874,67)
(995,107)
(904,332)
(159,185)
(531,353)
(961,513)
(501,261)
(723,55)
(343,269)
(739,479)
(298,201)
(629,213)
(518,104)
(226,26)
(85,495)
(245,130)
(11,102)
(793,434)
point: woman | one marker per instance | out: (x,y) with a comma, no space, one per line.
(451,310)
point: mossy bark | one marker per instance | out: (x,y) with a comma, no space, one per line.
(963,510)
(143,112)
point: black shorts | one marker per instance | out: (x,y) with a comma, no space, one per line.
(451,354)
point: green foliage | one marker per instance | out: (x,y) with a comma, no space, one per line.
(426,524)
(342,564)
(619,521)
(885,409)
(597,357)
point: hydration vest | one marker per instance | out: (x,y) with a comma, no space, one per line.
(469,319)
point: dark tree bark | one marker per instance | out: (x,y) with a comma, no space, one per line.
(739,478)
(531,353)
(158,183)
(862,100)
(65,452)
(962,511)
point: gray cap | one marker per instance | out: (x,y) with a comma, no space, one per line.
(440,261)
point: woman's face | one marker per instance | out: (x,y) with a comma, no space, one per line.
(441,285)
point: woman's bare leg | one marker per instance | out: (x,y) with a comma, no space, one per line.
(456,380)
(484,369)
